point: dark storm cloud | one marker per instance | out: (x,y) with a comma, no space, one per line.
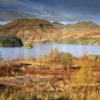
(60,10)
(71,6)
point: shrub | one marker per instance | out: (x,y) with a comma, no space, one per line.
(53,55)
(1,56)
(66,59)
(69,60)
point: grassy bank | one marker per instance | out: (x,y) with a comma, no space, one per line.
(57,76)
(14,41)
(84,41)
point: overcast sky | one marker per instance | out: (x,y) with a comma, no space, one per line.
(67,11)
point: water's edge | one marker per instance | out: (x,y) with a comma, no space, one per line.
(39,50)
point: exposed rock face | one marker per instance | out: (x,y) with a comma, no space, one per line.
(8,41)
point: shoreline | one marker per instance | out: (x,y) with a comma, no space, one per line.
(48,44)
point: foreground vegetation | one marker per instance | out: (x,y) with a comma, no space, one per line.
(57,76)
(71,93)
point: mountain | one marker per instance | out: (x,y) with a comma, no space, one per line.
(80,26)
(58,25)
(37,30)
(25,24)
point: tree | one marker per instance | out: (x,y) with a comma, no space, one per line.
(0,56)
(85,75)
(69,60)
(53,55)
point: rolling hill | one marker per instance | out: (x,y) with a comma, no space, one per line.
(37,30)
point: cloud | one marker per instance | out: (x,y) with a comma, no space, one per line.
(59,10)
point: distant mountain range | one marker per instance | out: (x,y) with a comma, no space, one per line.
(35,30)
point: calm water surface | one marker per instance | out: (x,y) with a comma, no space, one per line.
(40,50)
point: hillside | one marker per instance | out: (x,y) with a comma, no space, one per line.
(25,24)
(58,25)
(40,30)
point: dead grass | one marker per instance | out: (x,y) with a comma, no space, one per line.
(45,79)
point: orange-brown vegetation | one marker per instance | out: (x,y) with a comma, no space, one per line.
(49,79)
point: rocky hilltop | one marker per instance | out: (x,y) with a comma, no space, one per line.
(40,30)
